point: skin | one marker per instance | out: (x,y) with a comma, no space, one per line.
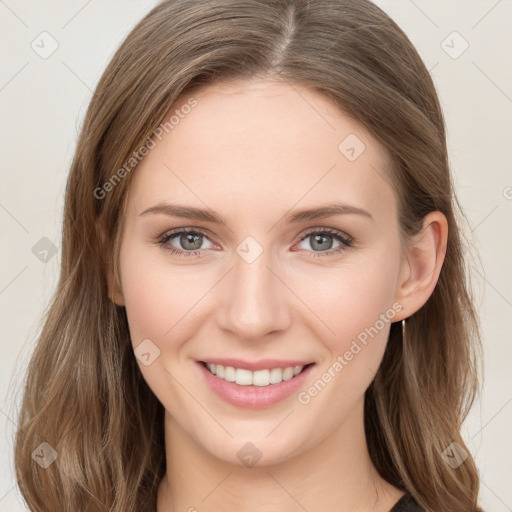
(252,152)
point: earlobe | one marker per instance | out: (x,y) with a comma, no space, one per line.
(423,262)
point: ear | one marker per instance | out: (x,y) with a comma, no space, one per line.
(421,264)
(115,292)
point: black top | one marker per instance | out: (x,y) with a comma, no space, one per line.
(406,504)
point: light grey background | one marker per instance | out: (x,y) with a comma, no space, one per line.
(42,104)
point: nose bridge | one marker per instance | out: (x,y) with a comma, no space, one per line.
(254,299)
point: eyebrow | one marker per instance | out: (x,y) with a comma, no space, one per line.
(303,215)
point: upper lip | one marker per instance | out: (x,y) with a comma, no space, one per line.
(263,364)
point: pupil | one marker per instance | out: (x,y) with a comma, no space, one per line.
(316,240)
(194,239)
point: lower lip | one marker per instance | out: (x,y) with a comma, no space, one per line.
(255,397)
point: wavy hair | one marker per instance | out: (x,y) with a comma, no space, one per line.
(84,393)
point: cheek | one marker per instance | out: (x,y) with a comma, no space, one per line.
(356,312)
(357,304)
(146,305)
(350,298)
(159,300)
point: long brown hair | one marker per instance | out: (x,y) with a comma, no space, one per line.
(85,395)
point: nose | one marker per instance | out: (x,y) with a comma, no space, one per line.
(254,299)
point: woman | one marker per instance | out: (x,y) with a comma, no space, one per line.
(262,302)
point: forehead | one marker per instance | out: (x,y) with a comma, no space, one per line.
(259,143)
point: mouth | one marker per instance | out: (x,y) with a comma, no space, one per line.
(267,384)
(257,378)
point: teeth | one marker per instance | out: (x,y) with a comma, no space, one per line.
(243,377)
(229,374)
(288,373)
(276,376)
(257,378)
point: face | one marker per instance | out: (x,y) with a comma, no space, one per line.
(260,290)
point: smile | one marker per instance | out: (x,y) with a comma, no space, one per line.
(244,377)
(255,389)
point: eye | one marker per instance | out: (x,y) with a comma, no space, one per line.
(322,240)
(190,241)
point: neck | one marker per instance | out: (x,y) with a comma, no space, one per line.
(337,474)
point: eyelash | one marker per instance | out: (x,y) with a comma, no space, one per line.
(345,240)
